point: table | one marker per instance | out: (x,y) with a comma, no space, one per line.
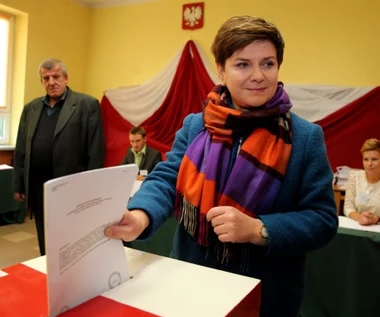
(160,287)
(8,203)
(343,278)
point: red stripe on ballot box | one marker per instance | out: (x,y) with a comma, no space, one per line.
(23,293)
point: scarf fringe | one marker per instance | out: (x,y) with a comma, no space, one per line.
(235,255)
(187,214)
(223,252)
(245,260)
(195,224)
(204,231)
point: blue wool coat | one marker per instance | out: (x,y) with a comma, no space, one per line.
(303,219)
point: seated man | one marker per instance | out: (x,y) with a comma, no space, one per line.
(139,153)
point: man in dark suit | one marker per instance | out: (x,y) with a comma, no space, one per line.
(139,153)
(59,134)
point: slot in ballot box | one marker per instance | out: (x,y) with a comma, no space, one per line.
(159,286)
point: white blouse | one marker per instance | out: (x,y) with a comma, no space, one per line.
(360,195)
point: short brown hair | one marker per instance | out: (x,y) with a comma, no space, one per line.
(240,31)
(370,145)
(138,130)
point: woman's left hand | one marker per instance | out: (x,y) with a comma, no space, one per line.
(231,225)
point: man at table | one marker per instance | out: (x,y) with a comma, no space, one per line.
(59,134)
(140,153)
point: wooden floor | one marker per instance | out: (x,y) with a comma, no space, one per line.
(18,242)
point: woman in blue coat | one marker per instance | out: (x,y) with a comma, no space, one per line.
(248,180)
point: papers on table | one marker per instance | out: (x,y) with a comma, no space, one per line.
(81,262)
(2,273)
(345,222)
(341,176)
(5,167)
(136,186)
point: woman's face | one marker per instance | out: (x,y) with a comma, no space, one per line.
(371,161)
(251,74)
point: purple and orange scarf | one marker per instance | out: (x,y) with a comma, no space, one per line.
(257,173)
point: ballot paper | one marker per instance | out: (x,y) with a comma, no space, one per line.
(81,262)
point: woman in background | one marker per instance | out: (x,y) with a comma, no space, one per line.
(362,200)
(249,181)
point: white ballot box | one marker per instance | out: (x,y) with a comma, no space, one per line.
(159,287)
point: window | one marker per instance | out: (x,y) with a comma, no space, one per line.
(2,124)
(6,24)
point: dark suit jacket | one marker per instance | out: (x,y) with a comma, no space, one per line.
(78,143)
(148,161)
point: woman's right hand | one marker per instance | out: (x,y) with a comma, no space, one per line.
(367,218)
(132,224)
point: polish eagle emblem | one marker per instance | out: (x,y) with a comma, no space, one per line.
(192,15)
